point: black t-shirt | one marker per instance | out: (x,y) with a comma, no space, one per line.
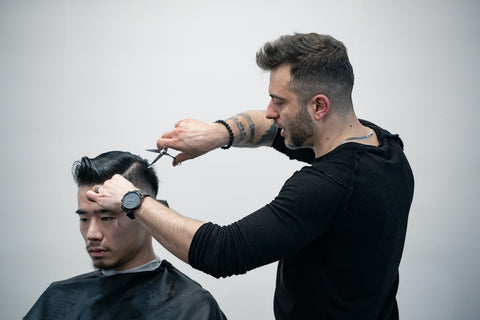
(337,228)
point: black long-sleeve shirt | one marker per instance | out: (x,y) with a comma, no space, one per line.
(337,228)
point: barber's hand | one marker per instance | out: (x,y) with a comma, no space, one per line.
(109,195)
(193,138)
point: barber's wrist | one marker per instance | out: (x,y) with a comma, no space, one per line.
(231,137)
(132,200)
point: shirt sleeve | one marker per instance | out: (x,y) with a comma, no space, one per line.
(304,210)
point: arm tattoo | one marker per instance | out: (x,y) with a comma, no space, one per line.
(251,125)
(265,139)
(241,128)
(268,137)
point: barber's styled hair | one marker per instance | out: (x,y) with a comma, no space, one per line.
(91,171)
(319,65)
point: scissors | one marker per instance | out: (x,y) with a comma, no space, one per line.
(161,154)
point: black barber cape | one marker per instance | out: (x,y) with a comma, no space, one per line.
(164,293)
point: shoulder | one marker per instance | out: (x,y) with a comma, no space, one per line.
(81,277)
(63,288)
(197,303)
(383,135)
(325,184)
(56,299)
(333,170)
(183,283)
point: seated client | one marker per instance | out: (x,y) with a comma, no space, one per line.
(130,281)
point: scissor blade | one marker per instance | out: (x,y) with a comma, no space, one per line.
(155,160)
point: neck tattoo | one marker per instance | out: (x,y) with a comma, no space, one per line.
(370,133)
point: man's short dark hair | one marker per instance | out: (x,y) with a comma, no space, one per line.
(319,65)
(92,171)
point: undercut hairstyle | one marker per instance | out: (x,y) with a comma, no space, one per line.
(319,65)
(92,171)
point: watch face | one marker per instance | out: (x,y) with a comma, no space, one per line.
(131,200)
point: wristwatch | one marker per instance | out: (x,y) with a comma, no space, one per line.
(132,200)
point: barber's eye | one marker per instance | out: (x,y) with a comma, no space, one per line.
(277,102)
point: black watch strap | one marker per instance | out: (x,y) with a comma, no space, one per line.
(130,214)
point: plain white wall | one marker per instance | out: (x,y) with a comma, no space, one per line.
(83,77)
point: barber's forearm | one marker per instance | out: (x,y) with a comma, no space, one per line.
(252,129)
(173,231)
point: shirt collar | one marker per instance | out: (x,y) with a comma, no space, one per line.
(150,266)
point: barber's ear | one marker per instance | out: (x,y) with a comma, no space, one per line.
(322,106)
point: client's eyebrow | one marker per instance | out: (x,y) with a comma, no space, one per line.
(80,211)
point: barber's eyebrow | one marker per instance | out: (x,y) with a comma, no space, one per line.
(277,97)
(280,99)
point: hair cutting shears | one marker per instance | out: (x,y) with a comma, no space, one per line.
(162,153)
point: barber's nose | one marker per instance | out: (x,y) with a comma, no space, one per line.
(271,112)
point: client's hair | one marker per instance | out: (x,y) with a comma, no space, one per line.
(91,171)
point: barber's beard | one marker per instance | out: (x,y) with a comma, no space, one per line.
(299,129)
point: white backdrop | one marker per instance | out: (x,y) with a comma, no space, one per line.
(83,77)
